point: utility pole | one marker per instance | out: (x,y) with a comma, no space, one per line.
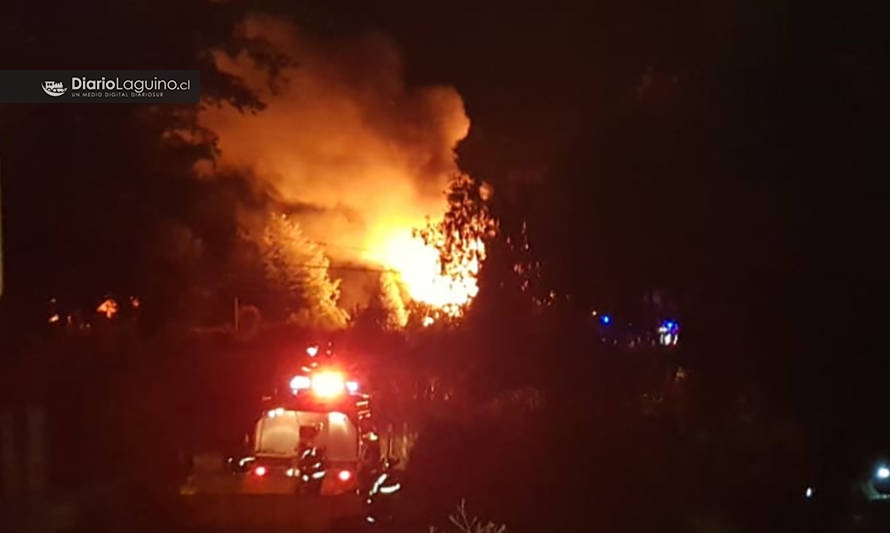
(1,228)
(237,328)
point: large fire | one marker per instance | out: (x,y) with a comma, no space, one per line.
(359,161)
(419,267)
(439,264)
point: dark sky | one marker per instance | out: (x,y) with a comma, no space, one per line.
(683,139)
(673,142)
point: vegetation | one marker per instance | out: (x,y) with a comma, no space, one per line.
(464,524)
(298,270)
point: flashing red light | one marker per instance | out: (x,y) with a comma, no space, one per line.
(260,471)
(344,475)
(328,384)
(323,383)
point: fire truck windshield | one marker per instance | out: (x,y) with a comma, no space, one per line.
(284,434)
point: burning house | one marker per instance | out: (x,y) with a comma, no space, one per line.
(360,162)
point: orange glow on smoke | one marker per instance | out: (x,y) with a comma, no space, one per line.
(363,153)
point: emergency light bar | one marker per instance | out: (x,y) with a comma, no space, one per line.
(324,384)
(328,384)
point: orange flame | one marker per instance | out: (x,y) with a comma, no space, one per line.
(439,264)
(419,265)
(108,308)
(343,135)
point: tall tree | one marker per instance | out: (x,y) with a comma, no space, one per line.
(299,269)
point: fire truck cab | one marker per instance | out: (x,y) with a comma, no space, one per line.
(319,440)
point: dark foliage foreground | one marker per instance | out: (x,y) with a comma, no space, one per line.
(545,430)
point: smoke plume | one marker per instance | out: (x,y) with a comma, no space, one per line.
(358,157)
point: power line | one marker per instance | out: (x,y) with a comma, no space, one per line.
(347,247)
(348,267)
(363,269)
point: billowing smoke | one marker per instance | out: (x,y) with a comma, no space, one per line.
(355,156)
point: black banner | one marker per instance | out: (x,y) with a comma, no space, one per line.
(99,86)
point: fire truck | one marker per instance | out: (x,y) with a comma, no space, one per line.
(316,451)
